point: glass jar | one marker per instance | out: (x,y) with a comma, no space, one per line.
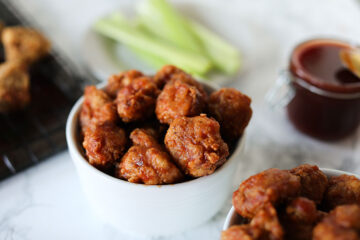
(322,98)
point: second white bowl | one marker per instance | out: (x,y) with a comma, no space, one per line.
(233,218)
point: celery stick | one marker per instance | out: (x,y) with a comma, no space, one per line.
(224,56)
(158,62)
(152,60)
(164,21)
(133,38)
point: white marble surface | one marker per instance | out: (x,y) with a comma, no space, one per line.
(46,201)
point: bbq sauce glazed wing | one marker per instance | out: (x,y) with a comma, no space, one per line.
(267,220)
(145,137)
(136,102)
(232,109)
(196,145)
(343,223)
(298,218)
(188,79)
(118,81)
(24,44)
(241,232)
(264,226)
(97,108)
(165,74)
(150,166)
(14,87)
(104,144)
(272,186)
(343,189)
(179,99)
(147,162)
(313,182)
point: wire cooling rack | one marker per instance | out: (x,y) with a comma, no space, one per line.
(37,132)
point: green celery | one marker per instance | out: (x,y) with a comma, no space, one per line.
(224,56)
(116,28)
(152,60)
(164,21)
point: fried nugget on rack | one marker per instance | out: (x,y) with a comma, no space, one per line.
(2,26)
(14,87)
(24,44)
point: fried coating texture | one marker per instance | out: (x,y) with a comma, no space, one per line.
(313,182)
(144,137)
(347,216)
(148,165)
(97,108)
(241,232)
(188,79)
(267,220)
(301,210)
(343,189)
(179,99)
(299,218)
(147,162)
(137,100)
(265,225)
(270,186)
(165,74)
(232,110)
(118,81)
(196,145)
(343,223)
(24,44)
(104,144)
(181,96)
(328,231)
(14,87)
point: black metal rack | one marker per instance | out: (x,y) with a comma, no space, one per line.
(37,132)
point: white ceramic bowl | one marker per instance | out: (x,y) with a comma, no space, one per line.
(150,210)
(232,217)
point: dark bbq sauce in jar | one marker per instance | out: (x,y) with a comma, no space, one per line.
(326,104)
